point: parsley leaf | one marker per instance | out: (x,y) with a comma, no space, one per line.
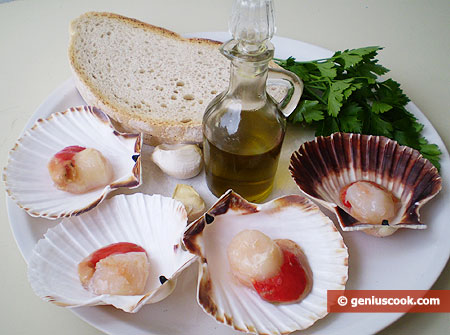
(307,111)
(327,126)
(389,92)
(327,69)
(336,96)
(352,57)
(350,121)
(380,107)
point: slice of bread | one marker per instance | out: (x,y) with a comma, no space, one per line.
(146,78)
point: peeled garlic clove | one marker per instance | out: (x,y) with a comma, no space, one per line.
(194,204)
(181,161)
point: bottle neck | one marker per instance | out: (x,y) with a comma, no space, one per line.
(248,80)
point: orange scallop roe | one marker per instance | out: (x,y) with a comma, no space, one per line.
(68,152)
(277,269)
(112,249)
(288,285)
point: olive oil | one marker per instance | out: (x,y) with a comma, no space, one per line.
(243,151)
(250,175)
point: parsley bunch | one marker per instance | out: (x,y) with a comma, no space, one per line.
(342,94)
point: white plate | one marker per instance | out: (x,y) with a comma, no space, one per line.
(410,259)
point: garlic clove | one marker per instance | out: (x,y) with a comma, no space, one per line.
(193,203)
(181,161)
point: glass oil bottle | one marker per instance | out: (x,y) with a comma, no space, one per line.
(243,127)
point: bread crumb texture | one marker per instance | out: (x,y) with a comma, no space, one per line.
(147,72)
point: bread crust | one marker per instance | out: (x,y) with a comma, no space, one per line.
(144,25)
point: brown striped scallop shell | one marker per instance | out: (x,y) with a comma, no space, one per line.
(322,167)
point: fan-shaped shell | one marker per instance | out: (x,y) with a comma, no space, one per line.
(291,217)
(26,175)
(155,223)
(322,167)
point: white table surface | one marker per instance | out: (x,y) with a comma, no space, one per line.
(33,62)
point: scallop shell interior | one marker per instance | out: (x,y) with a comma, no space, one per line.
(27,178)
(155,223)
(291,217)
(322,167)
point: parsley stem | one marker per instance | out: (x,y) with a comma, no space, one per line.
(317,81)
(316,87)
(305,62)
(308,89)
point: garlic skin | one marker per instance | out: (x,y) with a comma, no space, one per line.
(193,203)
(181,161)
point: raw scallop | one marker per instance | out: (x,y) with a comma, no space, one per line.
(26,176)
(323,167)
(292,217)
(155,223)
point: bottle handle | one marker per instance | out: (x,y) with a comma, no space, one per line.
(281,77)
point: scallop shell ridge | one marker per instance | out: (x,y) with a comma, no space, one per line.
(26,177)
(155,223)
(293,217)
(322,167)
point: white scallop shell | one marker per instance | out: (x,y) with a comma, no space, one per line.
(26,176)
(291,217)
(155,223)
